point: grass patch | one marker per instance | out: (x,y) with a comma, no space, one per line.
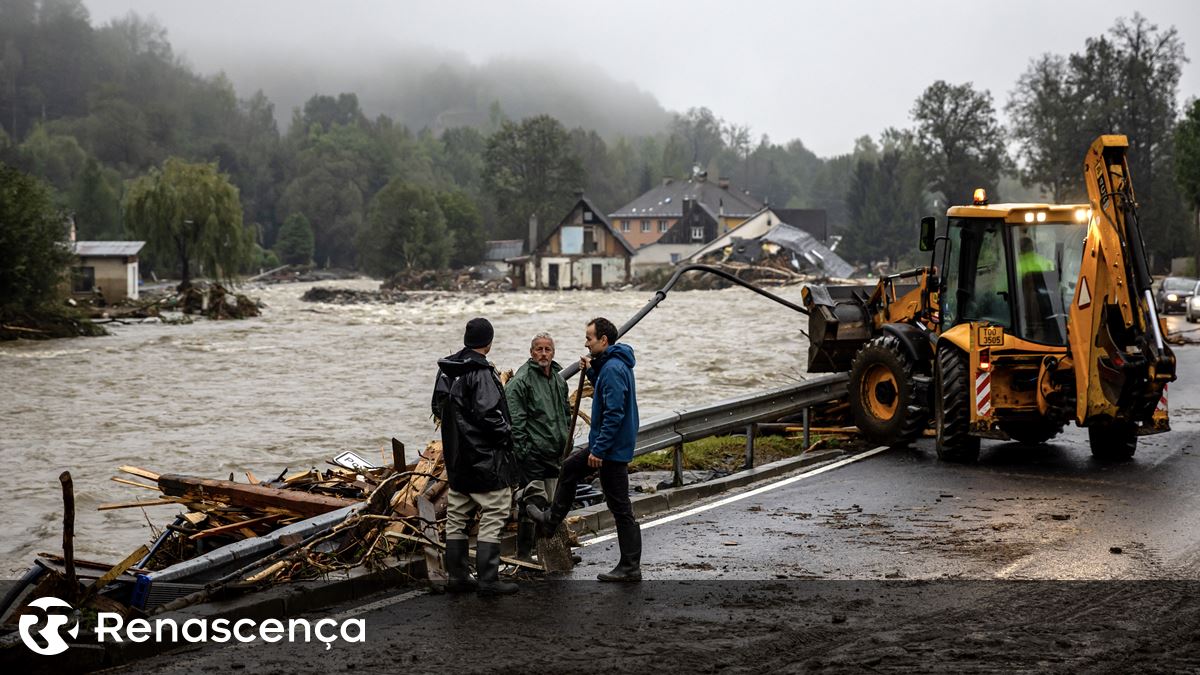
(728,453)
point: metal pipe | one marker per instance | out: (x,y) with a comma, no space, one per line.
(661,294)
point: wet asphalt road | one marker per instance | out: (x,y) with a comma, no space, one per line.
(915,535)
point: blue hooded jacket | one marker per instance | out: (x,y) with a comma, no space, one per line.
(614,405)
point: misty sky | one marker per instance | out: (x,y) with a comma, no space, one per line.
(825,73)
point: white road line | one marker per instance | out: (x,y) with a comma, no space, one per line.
(378,604)
(738,497)
(403,597)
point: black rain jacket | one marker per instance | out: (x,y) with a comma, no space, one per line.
(476,425)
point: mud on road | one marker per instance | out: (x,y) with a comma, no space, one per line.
(745,626)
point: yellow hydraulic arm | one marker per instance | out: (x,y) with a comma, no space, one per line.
(1120,360)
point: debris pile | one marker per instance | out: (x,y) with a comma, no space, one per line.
(214,301)
(348,296)
(469,279)
(201,299)
(236,536)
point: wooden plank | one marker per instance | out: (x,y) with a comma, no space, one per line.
(130,505)
(233,527)
(134,483)
(434,567)
(253,496)
(116,571)
(142,473)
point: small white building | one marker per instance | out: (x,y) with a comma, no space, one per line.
(109,268)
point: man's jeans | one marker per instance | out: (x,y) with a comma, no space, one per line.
(614,481)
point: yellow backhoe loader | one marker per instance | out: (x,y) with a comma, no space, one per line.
(1030,316)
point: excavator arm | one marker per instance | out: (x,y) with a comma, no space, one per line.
(1121,362)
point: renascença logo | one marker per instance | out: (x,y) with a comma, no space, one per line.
(51,633)
(112,626)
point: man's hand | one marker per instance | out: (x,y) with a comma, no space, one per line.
(594,461)
(585,362)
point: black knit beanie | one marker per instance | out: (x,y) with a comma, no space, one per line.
(479,333)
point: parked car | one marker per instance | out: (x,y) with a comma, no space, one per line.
(1193,305)
(1174,293)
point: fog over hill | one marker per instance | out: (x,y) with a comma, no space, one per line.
(441,89)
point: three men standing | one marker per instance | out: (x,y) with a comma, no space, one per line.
(610,447)
(477,445)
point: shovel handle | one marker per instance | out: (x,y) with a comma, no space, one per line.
(574,416)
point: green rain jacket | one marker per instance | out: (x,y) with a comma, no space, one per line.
(540,416)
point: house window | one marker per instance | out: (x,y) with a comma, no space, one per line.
(624,225)
(662,226)
(698,233)
(83,279)
(645,226)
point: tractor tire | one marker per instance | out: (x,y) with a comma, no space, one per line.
(1032,433)
(883,394)
(952,408)
(1114,442)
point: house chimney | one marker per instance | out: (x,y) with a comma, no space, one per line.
(578,193)
(533,227)
(723,183)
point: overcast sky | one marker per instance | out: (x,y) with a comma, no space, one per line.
(825,73)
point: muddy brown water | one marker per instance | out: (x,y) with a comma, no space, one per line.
(294,387)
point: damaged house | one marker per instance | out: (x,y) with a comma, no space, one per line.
(582,251)
(766,241)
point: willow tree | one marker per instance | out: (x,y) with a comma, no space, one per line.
(192,213)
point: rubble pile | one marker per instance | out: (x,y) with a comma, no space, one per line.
(348,296)
(470,279)
(213,301)
(296,526)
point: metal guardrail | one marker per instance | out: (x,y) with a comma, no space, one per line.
(736,414)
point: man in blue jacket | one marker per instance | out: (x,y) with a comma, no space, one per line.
(610,447)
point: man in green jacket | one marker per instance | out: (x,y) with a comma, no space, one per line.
(537,400)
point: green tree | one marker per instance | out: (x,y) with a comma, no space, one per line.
(885,201)
(531,170)
(405,230)
(961,140)
(465,226)
(1187,162)
(192,213)
(57,159)
(294,246)
(33,251)
(95,203)
(1045,110)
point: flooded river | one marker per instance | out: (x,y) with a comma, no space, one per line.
(299,384)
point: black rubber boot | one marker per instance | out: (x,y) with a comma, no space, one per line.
(487,565)
(456,567)
(547,520)
(526,538)
(629,539)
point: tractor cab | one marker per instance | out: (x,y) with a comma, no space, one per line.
(1012,266)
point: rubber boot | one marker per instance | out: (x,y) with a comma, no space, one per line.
(629,540)
(487,564)
(456,567)
(526,538)
(547,519)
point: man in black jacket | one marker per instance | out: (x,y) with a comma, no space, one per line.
(477,445)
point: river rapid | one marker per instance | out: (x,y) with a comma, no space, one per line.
(292,388)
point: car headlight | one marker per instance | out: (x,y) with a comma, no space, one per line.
(1196,302)
(1172,297)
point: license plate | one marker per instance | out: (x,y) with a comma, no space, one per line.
(991,336)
